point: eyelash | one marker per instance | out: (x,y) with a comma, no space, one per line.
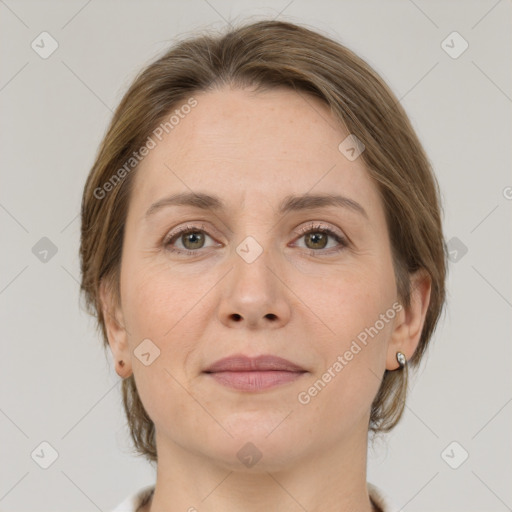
(343,243)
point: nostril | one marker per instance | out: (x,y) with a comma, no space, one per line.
(237,317)
(271,316)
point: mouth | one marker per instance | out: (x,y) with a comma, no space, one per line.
(254,374)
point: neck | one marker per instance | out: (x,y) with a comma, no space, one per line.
(329,480)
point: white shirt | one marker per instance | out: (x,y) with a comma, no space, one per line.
(134,501)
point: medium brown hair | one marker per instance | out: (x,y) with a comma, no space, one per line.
(269,54)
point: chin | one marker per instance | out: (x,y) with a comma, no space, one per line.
(264,424)
(254,455)
(260,442)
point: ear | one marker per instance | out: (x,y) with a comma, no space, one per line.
(116,331)
(409,321)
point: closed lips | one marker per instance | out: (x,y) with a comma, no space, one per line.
(241,363)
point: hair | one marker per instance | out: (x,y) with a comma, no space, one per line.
(265,55)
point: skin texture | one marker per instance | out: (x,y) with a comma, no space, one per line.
(298,300)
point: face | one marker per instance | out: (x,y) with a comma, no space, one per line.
(313,283)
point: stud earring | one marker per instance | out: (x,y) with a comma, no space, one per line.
(121,363)
(401,359)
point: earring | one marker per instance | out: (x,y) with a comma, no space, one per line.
(401,359)
(121,363)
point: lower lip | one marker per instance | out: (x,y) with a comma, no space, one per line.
(255,380)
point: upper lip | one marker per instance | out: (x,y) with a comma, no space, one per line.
(242,363)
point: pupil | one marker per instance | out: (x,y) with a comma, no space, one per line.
(318,237)
(193,238)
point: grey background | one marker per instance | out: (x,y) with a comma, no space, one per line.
(56,384)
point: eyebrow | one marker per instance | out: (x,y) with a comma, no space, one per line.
(288,204)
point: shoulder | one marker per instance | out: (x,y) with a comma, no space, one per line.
(378,498)
(133,502)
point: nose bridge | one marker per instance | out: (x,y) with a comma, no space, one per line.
(251,272)
(253,294)
(256,249)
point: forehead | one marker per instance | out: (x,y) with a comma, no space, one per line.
(252,146)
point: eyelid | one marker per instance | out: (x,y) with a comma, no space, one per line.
(185,229)
(321,226)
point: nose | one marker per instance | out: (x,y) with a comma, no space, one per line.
(254,295)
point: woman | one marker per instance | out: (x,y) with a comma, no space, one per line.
(262,246)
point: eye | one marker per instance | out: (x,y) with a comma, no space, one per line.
(188,240)
(191,239)
(316,238)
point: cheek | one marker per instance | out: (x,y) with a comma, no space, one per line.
(157,301)
(160,309)
(349,300)
(357,317)
(167,309)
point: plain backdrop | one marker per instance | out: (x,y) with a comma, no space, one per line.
(57,386)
